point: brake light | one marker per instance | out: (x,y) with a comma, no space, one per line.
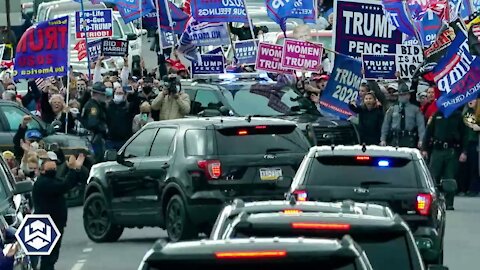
(424,202)
(250,254)
(212,168)
(321,226)
(291,211)
(242,132)
(300,195)
(261,127)
(362,158)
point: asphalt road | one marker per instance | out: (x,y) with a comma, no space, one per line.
(79,253)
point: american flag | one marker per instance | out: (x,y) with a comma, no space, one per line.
(476,31)
(41,83)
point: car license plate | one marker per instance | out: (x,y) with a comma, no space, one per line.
(269,174)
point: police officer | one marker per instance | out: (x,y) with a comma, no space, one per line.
(444,139)
(404,125)
(94,119)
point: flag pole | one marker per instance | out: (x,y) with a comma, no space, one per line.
(68,69)
(170,22)
(250,22)
(160,42)
(141,19)
(86,39)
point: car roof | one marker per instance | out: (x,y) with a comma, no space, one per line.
(220,122)
(344,207)
(370,150)
(204,249)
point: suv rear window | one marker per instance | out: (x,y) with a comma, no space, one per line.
(260,140)
(330,264)
(362,171)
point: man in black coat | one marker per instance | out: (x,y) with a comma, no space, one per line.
(49,197)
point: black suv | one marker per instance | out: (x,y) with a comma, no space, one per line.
(177,174)
(256,254)
(386,238)
(395,177)
(250,94)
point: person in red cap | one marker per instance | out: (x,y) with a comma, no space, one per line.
(318,82)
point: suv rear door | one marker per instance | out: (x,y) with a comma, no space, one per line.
(387,181)
(252,158)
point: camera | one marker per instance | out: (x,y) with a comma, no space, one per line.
(172,83)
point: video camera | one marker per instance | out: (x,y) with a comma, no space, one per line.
(172,83)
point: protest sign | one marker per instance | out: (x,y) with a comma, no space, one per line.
(167,39)
(302,55)
(149,20)
(98,23)
(2,50)
(246,51)
(361,27)
(380,67)
(81,48)
(208,34)
(218,51)
(112,47)
(219,11)
(43,50)
(408,58)
(95,49)
(269,58)
(210,64)
(130,9)
(342,87)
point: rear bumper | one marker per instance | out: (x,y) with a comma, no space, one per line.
(429,242)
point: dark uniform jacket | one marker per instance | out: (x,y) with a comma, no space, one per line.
(49,196)
(369,123)
(119,121)
(94,117)
(445,131)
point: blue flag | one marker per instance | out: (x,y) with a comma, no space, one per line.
(130,9)
(342,87)
(43,50)
(457,75)
(397,15)
(279,11)
(179,18)
(428,28)
(219,11)
(186,45)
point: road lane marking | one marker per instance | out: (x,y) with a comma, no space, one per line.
(78,265)
(85,250)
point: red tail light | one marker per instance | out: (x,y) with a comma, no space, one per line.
(212,168)
(250,254)
(321,226)
(424,203)
(261,127)
(362,158)
(242,132)
(300,195)
(292,211)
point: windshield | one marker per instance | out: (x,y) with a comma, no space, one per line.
(266,100)
(313,264)
(367,171)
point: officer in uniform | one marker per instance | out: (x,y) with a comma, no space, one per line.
(94,119)
(444,140)
(404,124)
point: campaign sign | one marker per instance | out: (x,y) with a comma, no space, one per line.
(95,49)
(37,235)
(219,11)
(211,64)
(81,48)
(269,58)
(167,39)
(218,51)
(112,47)
(408,58)
(97,23)
(361,27)
(302,55)
(208,34)
(379,66)
(43,50)
(149,20)
(246,52)
(342,87)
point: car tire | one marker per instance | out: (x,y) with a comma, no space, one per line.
(97,220)
(178,224)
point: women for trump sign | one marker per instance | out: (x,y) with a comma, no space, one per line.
(302,55)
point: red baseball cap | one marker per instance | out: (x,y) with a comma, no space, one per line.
(319,77)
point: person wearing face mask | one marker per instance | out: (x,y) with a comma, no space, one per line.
(172,102)
(94,119)
(370,118)
(119,120)
(49,197)
(108,91)
(32,137)
(142,118)
(404,124)
(141,94)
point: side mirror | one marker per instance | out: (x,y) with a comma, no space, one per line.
(437,267)
(448,185)
(132,36)
(110,155)
(23,187)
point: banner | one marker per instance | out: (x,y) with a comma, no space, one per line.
(302,55)
(245,52)
(98,23)
(219,11)
(112,47)
(208,34)
(43,50)
(304,10)
(95,49)
(280,10)
(269,58)
(210,64)
(167,39)
(218,51)
(361,27)
(428,28)
(179,18)
(380,67)
(342,87)
(397,15)
(408,59)
(457,75)
(130,9)
(81,49)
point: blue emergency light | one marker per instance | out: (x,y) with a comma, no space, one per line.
(383,163)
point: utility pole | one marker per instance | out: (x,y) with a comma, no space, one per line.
(7,7)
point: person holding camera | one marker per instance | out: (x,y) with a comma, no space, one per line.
(172,102)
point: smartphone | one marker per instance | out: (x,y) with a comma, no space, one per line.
(145,117)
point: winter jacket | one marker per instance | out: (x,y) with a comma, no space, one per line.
(119,121)
(171,108)
(369,123)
